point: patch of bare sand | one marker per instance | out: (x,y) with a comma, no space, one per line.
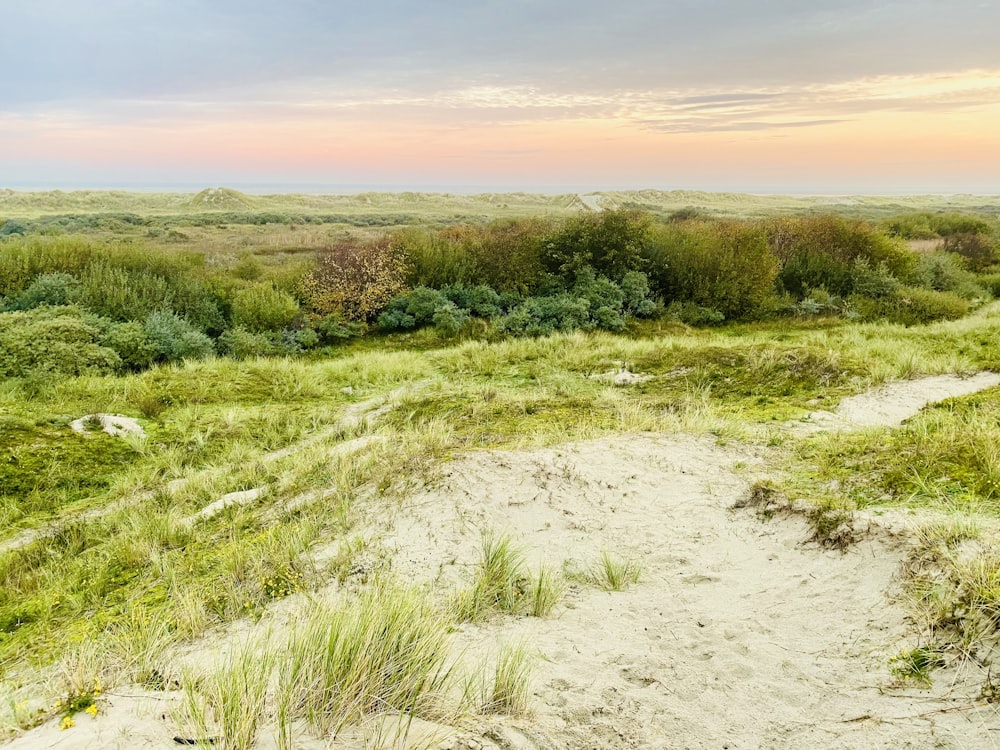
(893,403)
(738,635)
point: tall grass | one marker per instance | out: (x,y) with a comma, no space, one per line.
(387,651)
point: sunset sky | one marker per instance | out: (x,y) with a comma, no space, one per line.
(829,96)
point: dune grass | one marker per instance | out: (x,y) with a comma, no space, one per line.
(119,551)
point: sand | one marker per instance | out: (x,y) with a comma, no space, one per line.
(739,634)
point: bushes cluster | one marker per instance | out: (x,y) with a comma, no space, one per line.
(88,307)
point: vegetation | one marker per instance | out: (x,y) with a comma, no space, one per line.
(247,366)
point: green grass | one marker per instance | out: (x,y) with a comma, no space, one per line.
(136,576)
(614,573)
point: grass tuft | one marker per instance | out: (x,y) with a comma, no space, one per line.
(509,691)
(613,573)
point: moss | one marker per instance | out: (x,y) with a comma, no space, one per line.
(45,468)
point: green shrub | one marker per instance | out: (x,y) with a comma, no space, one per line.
(609,242)
(694,314)
(54,289)
(724,266)
(911,306)
(334,328)
(540,316)
(413,310)
(481,300)
(979,250)
(506,255)
(132,343)
(175,339)
(945,272)
(637,295)
(991,282)
(54,341)
(875,283)
(435,259)
(262,307)
(821,252)
(239,343)
(120,294)
(449,318)
(356,281)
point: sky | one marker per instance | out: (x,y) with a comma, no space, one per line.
(770,96)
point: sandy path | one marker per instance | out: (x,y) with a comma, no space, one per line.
(893,403)
(738,635)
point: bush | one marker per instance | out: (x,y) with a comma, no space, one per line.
(423,307)
(53,341)
(727,267)
(175,339)
(507,255)
(911,306)
(449,318)
(637,296)
(693,314)
(132,343)
(262,307)
(875,283)
(979,250)
(609,242)
(821,252)
(355,280)
(945,272)
(437,259)
(239,343)
(540,316)
(481,301)
(54,289)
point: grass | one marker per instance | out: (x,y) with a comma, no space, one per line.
(509,690)
(613,573)
(118,564)
(501,583)
(227,706)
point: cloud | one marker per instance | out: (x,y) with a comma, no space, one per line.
(92,51)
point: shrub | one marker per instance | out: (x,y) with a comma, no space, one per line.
(507,255)
(481,301)
(239,343)
(449,318)
(120,294)
(869,282)
(436,259)
(693,314)
(637,299)
(540,316)
(911,306)
(54,289)
(945,272)
(132,343)
(176,339)
(820,252)
(727,267)
(355,280)
(413,310)
(609,242)
(262,307)
(978,249)
(54,341)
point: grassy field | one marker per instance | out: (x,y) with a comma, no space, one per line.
(109,560)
